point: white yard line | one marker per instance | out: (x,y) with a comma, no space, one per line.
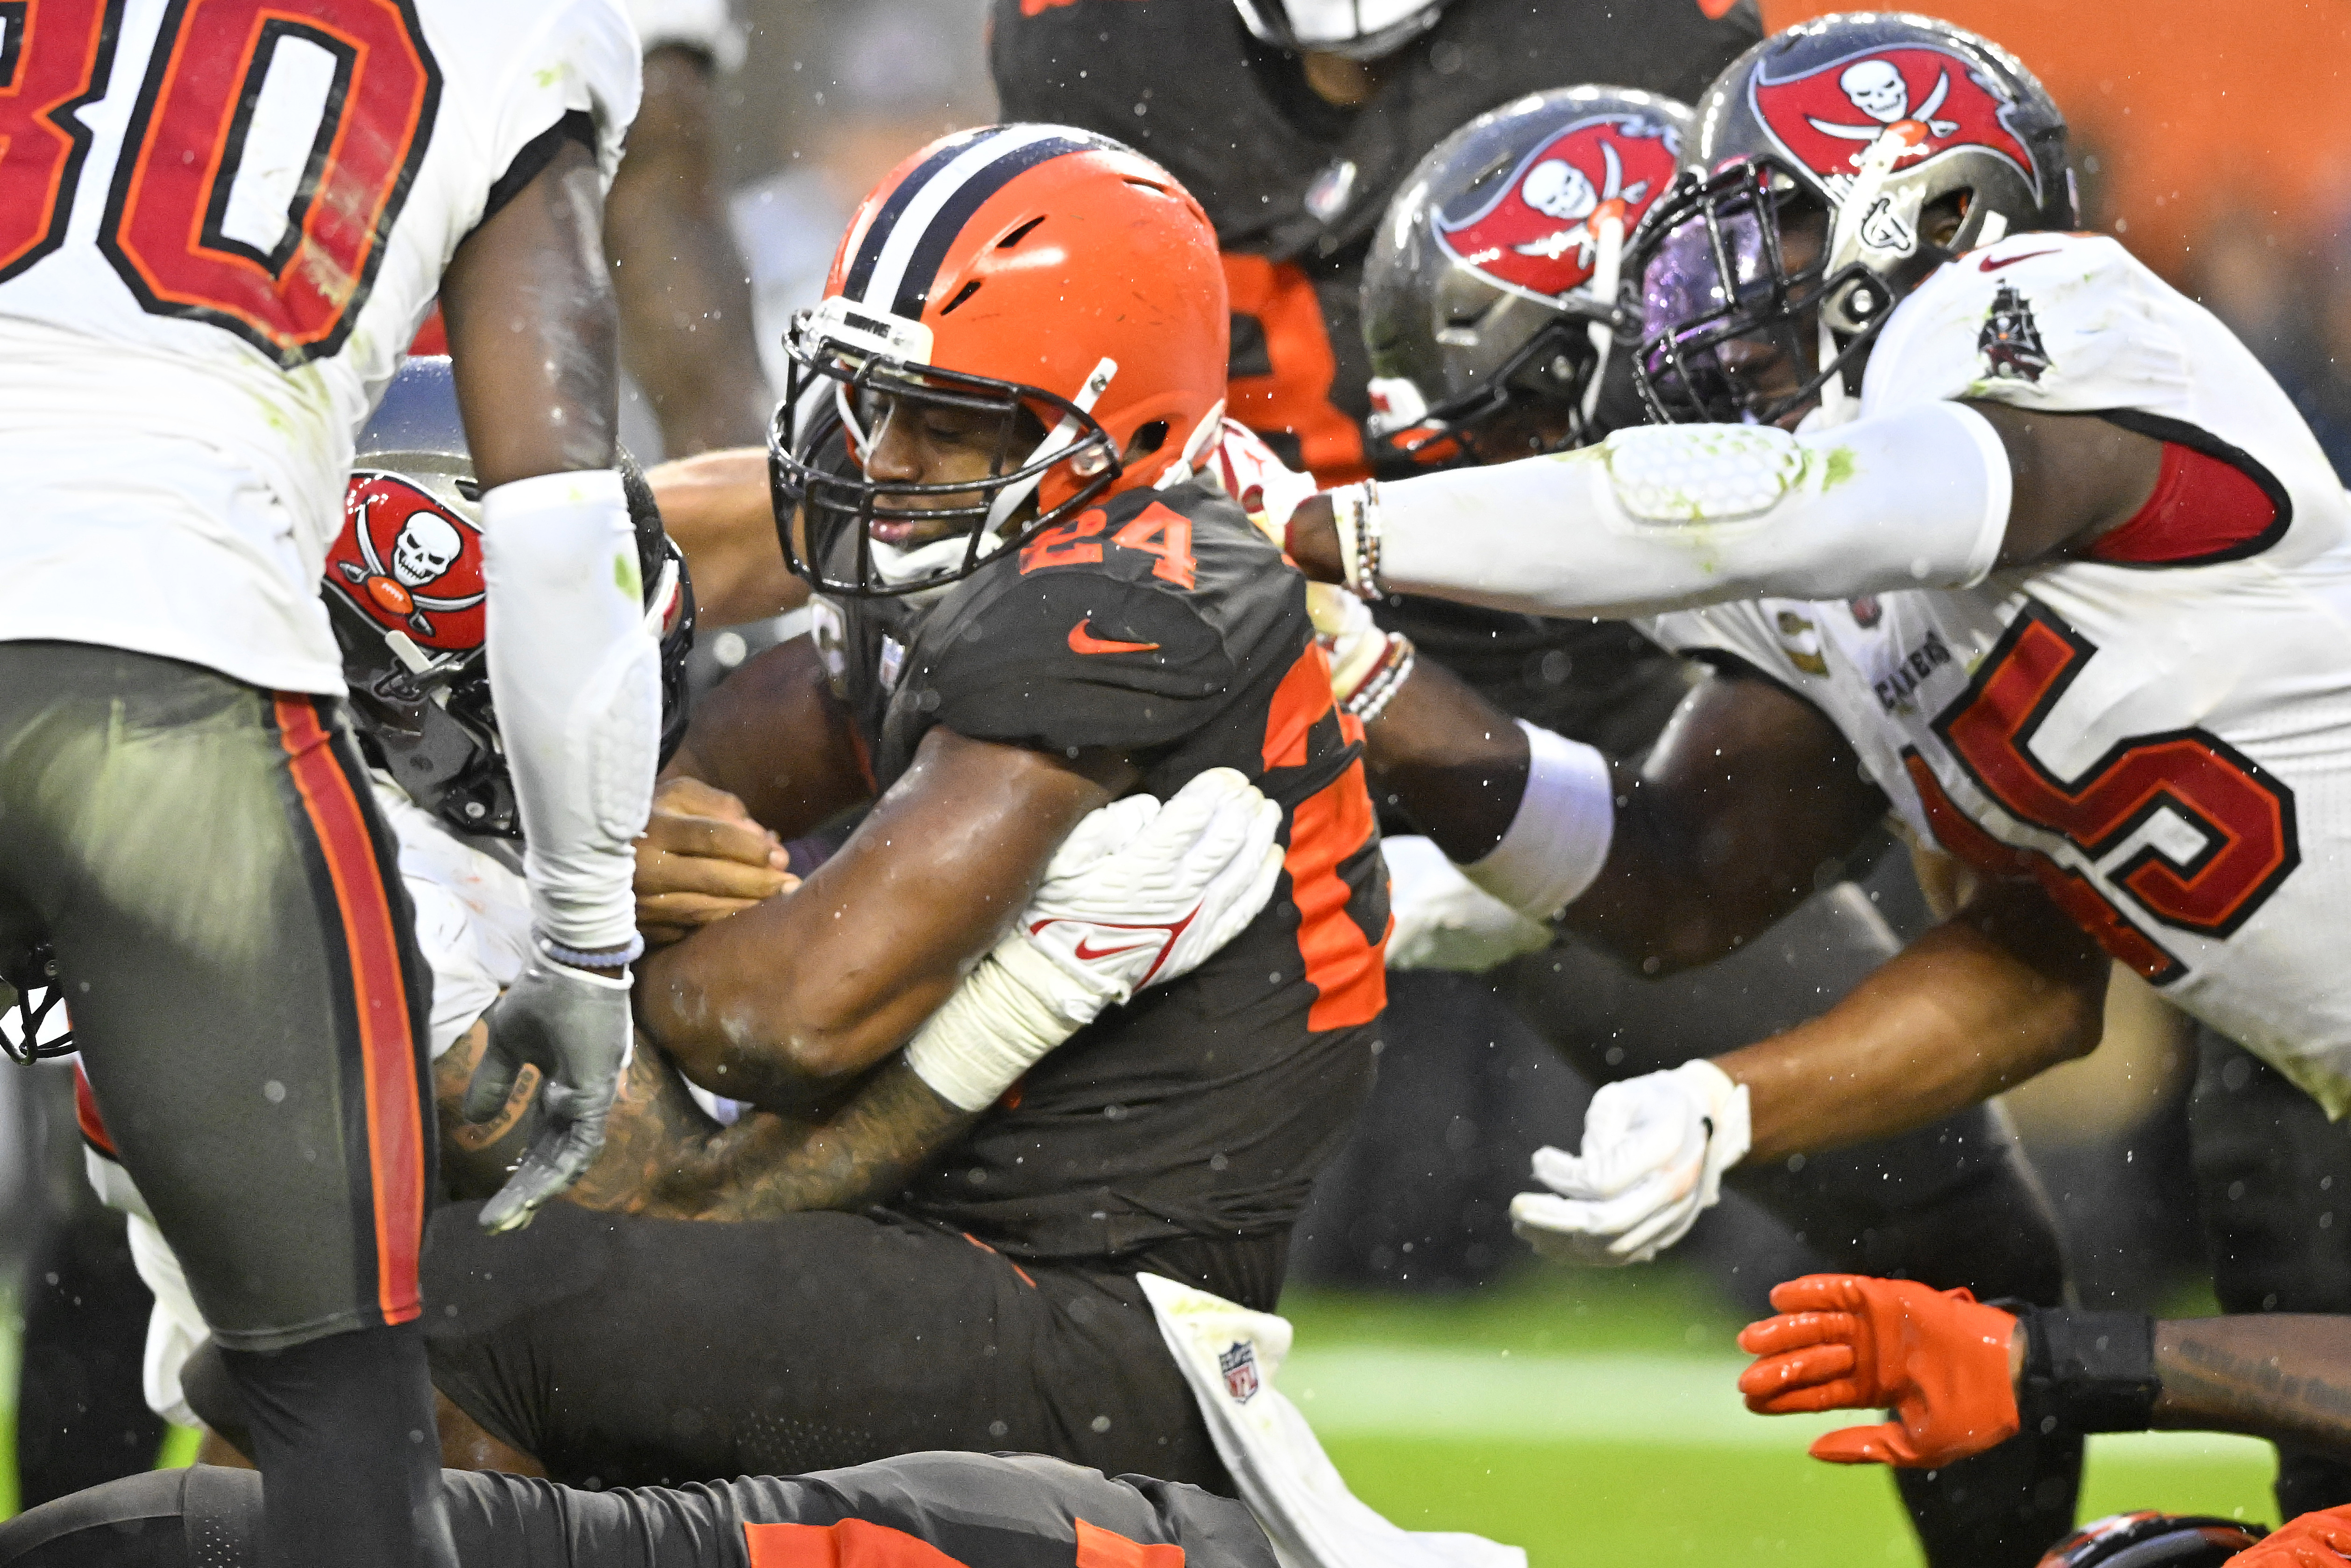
(1367,1391)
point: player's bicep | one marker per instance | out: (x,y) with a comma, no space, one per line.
(800,994)
(2073,477)
(773,735)
(533,330)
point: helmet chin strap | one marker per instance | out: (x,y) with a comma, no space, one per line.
(1847,239)
(1607,267)
(1195,448)
(1062,435)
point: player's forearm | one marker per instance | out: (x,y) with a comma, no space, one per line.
(716,508)
(866,1153)
(784,1005)
(685,300)
(1457,764)
(1672,517)
(2284,1378)
(533,330)
(2005,990)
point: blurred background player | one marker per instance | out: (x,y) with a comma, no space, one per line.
(1471,240)
(2033,401)
(687,334)
(182,376)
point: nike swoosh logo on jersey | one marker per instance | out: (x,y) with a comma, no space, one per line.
(1087,954)
(1990,264)
(1082,640)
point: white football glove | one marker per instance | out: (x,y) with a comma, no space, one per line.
(1445,921)
(1245,468)
(1138,894)
(1655,1148)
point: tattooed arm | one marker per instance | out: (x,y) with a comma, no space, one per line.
(2281,1377)
(663,1157)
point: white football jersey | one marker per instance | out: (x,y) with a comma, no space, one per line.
(221,225)
(2167,749)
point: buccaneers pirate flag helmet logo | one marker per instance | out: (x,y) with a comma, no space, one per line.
(1494,284)
(1538,233)
(1928,100)
(409,563)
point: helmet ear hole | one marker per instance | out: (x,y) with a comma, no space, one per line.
(1148,439)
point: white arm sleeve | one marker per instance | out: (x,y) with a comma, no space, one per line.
(1664,518)
(576,677)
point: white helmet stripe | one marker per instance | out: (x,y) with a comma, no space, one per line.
(889,272)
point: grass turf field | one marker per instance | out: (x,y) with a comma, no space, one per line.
(1593,1418)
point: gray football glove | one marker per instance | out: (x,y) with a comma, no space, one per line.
(575,1028)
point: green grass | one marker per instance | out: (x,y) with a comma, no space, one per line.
(1583,1416)
(1589,1417)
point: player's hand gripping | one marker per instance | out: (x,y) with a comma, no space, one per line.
(1141,892)
(1655,1148)
(574,1026)
(2320,1539)
(1845,1342)
(1137,895)
(702,859)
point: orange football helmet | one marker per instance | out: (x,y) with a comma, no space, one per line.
(1013,268)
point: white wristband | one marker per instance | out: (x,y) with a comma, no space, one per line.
(1559,839)
(575,676)
(1000,1022)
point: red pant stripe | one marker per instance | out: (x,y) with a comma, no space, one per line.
(387,1040)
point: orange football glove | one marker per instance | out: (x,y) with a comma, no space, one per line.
(2321,1540)
(1845,1342)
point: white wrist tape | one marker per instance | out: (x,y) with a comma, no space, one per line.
(1000,1022)
(576,677)
(1559,840)
(1671,516)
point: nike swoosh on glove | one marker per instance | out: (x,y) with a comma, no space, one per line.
(1847,1342)
(1141,892)
(1655,1148)
(575,1028)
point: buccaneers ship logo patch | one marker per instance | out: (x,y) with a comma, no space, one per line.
(1539,234)
(1931,101)
(2010,341)
(409,563)
(1239,1367)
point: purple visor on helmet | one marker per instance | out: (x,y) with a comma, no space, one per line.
(1684,288)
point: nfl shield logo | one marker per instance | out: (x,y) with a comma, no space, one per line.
(1239,1367)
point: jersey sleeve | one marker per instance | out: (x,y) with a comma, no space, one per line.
(583,58)
(1779,639)
(2062,322)
(1076,658)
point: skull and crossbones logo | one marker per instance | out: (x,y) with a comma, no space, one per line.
(428,545)
(427,548)
(1876,87)
(1558,189)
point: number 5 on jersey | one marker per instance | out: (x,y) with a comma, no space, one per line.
(267,157)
